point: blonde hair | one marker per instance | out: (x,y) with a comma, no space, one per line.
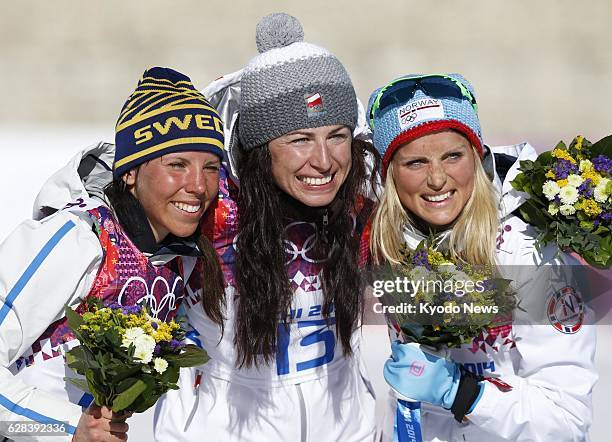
(472,238)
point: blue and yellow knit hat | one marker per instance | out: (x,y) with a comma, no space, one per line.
(416,105)
(164,114)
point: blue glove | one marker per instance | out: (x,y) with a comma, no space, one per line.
(421,376)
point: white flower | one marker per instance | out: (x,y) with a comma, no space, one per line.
(568,195)
(130,335)
(145,345)
(574,180)
(585,165)
(550,189)
(160,365)
(600,195)
(457,281)
(553,209)
(567,209)
(420,273)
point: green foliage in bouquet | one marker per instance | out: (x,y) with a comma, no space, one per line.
(128,358)
(453,303)
(570,200)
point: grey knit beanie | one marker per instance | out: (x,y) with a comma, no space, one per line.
(291,85)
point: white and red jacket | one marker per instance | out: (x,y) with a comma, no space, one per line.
(546,353)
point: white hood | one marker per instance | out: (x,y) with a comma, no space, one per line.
(84,177)
(511,199)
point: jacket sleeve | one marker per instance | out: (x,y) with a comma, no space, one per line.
(44,265)
(555,373)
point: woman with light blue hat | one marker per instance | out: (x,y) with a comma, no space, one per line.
(522,380)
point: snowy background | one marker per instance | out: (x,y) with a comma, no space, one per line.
(541,72)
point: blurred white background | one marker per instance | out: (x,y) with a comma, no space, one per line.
(542,72)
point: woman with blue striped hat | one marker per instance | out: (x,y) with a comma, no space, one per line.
(525,379)
(288,366)
(117,245)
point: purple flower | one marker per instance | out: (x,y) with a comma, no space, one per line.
(585,189)
(420,259)
(131,309)
(557,199)
(157,349)
(154,325)
(114,306)
(602,163)
(488,284)
(563,168)
(605,217)
(175,345)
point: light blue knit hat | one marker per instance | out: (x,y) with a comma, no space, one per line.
(400,121)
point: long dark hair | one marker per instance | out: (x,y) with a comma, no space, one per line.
(133,220)
(261,273)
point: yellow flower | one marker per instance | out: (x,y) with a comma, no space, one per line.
(562,154)
(162,336)
(590,207)
(435,258)
(163,333)
(550,174)
(139,321)
(585,165)
(88,316)
(579,139)
(562,183)
(593,175)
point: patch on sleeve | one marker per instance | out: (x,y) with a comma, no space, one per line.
(565,310)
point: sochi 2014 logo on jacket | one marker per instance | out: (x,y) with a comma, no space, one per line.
(565,310)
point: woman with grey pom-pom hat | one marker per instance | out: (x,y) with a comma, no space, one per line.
(287,364)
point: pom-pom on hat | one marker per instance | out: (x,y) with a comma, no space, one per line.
(164,114)
(416,105)
(291,85)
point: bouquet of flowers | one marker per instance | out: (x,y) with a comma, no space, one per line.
(449,302)
(128,358)
(570,200)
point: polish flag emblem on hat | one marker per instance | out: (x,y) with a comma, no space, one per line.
(314,104)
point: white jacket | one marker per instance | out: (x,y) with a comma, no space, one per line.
(46,264)
(551,370)
(310,391)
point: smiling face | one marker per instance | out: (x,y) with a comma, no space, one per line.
(434,177)
(310,165)
(175,190)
